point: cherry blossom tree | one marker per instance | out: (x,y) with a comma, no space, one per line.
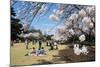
(78,20)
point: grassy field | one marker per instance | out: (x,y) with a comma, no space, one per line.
(64,54)
(18,57)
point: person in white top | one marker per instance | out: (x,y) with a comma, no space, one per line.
(84,50)
(55,45)
(76,49)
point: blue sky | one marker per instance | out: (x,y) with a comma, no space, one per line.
(41,22)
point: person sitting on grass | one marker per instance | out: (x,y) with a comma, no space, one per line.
(43,51)
(31,52)
(40,52)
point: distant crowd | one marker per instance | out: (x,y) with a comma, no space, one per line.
(40,51)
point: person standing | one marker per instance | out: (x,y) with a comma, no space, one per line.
(55,45)
(26,43)
(40,44)
(51,45)
(32,42)
(46,43)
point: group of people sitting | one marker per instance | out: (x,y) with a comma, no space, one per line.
(38,52)
(79,51)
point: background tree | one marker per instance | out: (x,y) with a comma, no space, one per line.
(15,26)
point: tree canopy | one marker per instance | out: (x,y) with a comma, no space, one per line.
(15,25)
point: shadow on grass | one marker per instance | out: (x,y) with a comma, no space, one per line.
(69,56)
(42,62)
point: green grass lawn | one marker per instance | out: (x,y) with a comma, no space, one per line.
(18,52)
